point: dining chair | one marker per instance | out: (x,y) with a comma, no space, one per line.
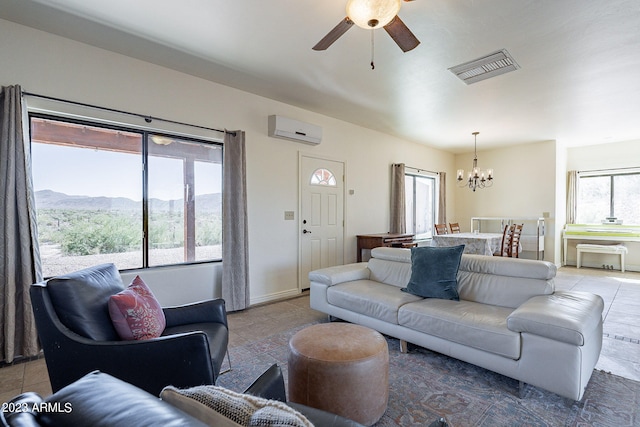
(510,246)
(454,227)
(515,240)
(441,229)
(505,243)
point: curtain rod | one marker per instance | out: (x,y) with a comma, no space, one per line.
(419,169)
(146,118)
(611,169)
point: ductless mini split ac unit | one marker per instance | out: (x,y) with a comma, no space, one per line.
(286,128)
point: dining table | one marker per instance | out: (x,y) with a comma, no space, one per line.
(474,243)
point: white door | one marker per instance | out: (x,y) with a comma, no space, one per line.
(321,215)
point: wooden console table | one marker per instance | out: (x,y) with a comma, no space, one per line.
(370,241)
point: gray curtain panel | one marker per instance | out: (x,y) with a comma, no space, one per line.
(235,247)
(572,196)
(442,199)
(19,254)
(398,202)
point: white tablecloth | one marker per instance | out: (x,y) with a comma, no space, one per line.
(480,244)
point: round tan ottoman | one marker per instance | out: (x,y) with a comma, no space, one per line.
(340,368)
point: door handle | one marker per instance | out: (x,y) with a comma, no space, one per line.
(305,231)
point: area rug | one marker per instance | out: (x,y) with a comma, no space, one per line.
(425,385)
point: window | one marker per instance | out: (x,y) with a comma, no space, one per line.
(609,196)
(131,197)
(420,195)
(323,177)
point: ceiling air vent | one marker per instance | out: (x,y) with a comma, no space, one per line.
(488,66)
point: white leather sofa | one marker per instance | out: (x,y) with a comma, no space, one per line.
(509,318)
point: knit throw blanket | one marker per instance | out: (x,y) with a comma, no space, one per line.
(245,409)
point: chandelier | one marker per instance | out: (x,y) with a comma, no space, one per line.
(476,178)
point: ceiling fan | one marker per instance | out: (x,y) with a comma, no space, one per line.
(372,14)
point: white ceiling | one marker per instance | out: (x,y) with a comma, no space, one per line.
(579,81)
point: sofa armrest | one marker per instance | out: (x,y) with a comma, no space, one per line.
(101,399)
(269,385)
(19,411)
(183,360)
(340,273)
(566,316)
(320,418)
(210,311)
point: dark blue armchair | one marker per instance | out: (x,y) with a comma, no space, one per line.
(78,337)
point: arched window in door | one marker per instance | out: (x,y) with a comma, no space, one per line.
(323,177)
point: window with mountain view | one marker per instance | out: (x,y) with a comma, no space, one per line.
(134,198)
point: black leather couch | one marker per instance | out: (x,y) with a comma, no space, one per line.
(98,399)
(78,337)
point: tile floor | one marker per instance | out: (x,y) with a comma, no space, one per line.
(620,351)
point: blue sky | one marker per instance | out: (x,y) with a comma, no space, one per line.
(111,174)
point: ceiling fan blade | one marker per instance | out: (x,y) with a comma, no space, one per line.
(334,34)
(401,34)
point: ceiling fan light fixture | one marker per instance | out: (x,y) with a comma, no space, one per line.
(371,14)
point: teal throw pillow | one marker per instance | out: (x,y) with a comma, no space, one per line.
(434,271)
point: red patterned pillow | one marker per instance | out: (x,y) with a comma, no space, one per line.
(135,312)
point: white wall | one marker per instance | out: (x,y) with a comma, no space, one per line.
(49,65)
(177,285)
(624,154)
(524,186)
(615,155)
(561,202)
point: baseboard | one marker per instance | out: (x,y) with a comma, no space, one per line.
(275,296)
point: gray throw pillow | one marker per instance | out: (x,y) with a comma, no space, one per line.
(434,272)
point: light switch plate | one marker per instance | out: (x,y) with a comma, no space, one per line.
(289,215)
